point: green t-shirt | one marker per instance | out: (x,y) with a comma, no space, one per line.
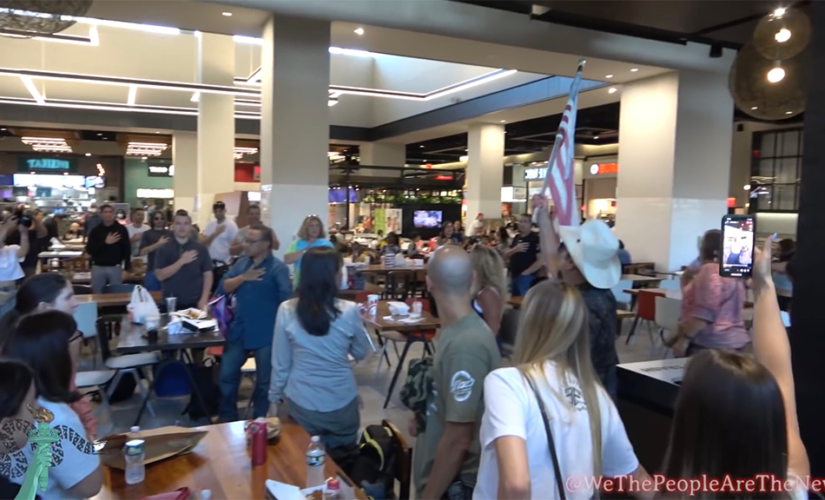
(467,352)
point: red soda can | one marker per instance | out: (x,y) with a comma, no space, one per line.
(258,443)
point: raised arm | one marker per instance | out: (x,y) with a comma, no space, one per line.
(772,349)
(548,238)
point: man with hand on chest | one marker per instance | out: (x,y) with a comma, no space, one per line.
(260,282)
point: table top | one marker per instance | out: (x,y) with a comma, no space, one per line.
(638,278)
(111,299)
(133,339)
(378,322)
(369,288)
(381,268)
(85,277)
(620,313)
(671,294)
(222,463)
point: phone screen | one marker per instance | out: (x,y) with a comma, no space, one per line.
(736,258)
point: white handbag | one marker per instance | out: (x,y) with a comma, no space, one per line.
(142,305)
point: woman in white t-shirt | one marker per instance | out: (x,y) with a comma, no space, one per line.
(41,341)
(552,354)
(10,258)
(735,416)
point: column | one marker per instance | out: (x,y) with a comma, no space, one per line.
(383,154)
(807,341)
(485,150)
(674,164)
(295,123)
(216,123)
(185,160)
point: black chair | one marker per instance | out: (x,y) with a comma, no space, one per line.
(509,327)
(82,289)
(122,288)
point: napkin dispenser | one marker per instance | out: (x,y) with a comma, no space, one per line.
(398,308)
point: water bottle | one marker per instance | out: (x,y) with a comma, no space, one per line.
(316,456)
(135,466)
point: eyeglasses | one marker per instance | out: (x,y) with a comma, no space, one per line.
(252,242)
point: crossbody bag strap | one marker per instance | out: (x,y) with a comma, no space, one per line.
(550,442)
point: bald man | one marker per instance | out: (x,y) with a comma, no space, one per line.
(447,451)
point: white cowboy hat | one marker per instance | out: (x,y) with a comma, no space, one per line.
(593,248)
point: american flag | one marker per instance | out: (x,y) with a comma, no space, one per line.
(560,167)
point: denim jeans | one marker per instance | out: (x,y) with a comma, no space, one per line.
(519,285)
(151,282)
(229,378)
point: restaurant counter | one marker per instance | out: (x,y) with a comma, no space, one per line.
(646,398)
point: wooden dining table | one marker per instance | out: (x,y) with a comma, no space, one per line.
(516,302)
(222,463)
(112,299)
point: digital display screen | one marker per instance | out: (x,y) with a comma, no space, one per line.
(427,218)
(737,246)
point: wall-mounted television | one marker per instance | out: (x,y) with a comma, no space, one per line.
(94,181)
(429,219)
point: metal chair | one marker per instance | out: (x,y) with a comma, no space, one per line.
(667,316)
(402,472)
(509,327)
(645,310)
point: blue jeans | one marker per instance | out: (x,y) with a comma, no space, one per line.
(229,378)
(151,282)
(519,285)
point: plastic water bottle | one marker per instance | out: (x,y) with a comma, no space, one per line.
(316,456)
(135,465)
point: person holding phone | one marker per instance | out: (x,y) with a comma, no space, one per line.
(711,306)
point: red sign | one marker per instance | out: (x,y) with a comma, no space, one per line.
(731,202)
(608,168)
(443,177)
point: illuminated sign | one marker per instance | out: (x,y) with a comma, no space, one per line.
(604,168)
(46,165)
(532,174)
(156,193)
(160,168)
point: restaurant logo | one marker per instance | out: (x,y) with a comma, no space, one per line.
(46,165)
(532,174)
(462,386)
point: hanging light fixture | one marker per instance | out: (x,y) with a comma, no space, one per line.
(38,17)
(782,34)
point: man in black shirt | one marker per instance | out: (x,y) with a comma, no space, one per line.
(184,267)
(108,246)
(524,257)
(150,242)
(588,259)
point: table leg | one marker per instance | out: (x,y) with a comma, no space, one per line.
(398,370)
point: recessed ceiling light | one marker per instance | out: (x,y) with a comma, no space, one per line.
(359,31)
(88,154)
(99,135)
(633,70)
(503,121)
(227,14)
(144,158)
(612,90)
(608,76)
(595,137)
(754,108)
(788,112)
(421,146)
(157,132)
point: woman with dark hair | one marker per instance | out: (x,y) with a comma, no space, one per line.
(314,333)
(15,419)
(735,417)
(711,306)
(41,341)
(780,274)
(392,244)
(446,237)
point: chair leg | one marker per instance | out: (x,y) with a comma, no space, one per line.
(380,358)
(397,372)
(143,391)
(383,345)
(632,330)
(112,386)
(395,346)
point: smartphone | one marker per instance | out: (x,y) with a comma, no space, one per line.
(736,254)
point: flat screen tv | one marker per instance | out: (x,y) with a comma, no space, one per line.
(427,219)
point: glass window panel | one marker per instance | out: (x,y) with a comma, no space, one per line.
(790,143)
(784,197)
(762,200)
(766,167)
(786,170)
(767,148)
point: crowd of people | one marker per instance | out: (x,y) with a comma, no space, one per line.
(489,428)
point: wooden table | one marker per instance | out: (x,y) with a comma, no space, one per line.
(111,299)
(222,463)
(354,295)
(639,279)
(620,313)
(408,333)
(671,294)
(85,278)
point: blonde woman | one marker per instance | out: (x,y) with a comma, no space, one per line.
(490,286)
(311,235)
(551,387)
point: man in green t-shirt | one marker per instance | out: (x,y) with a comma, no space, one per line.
(447,451)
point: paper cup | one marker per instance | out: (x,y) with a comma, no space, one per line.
(372,299)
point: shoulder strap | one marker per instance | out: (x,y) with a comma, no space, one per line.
(551,444)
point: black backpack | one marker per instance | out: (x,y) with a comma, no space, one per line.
(374,466)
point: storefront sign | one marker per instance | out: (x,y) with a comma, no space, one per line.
(510,194)
(532,174)
(160,168)
(46,165)
(604,168)
(165,194)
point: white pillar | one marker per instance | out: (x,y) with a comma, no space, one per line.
(674,164)
(383,155)
(295,123)
(485,150)
(216,123)
(185,160)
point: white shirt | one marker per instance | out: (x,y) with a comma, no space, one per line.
(73,456)
(219,248)
(511,409)
(10,269)
(132,230)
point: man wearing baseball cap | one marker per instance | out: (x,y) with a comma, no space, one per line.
(587,257)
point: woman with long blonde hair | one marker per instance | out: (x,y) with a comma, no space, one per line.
(310,235)
(490,286)
(548,419)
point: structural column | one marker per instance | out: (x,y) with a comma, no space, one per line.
(383,154)
(185,178)
(295,123)
(216,123)
(674,164)
(485,151)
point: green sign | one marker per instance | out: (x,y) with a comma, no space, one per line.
(46,165)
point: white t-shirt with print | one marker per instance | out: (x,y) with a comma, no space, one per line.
(73,457)
(219,248)
(10,269)
(511,409)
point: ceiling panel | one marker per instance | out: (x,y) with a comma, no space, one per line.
(12,86)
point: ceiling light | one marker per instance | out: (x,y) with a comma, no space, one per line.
(612,90)
(132,95)
(503,121)
(33,90)
(776,75)
(595,137)
(146,148)
(608,76)
(747,187)
(352,52)
(633,70)
(332,102)
(788,112)
(240,152)
(99,134)
(144,158)
(782,35)
(49,144)
(149,28)
(2,130)
(93,39)
(779,12)
(157,131)
(463,158)
(754,108)
(421,146)
(248,39)
(226,14)
(359,31)
(88,154)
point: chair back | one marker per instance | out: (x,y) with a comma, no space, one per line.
(82,289)
(122,288)
(623,298)
(403,461)
(646,305)
(667,313)
(107,327)
(509,327)
(86,317)
(671,285)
